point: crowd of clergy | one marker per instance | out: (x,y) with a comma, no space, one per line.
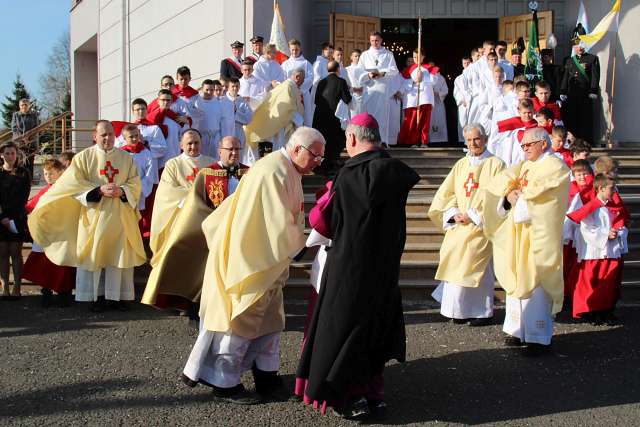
(212,178)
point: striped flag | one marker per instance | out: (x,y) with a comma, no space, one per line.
(278,36)
(608,23)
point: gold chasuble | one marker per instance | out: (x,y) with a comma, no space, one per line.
(275,113)
(102,234)
(252,238)
(529,254)
(465,251)
(175,182)
(176,279)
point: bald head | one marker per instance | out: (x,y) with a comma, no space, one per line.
(104,135)
(229,149)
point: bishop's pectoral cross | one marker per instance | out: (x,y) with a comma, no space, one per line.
(109,171)
(470,185)
(194,172)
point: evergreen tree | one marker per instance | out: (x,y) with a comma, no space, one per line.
(10,105)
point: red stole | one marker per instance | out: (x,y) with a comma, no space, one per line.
(31,204)
(537,105)
(134,149)
(586,191)
(515,123)
(186,91)
(406,73)
(591,203)
(157,117)
(216,182)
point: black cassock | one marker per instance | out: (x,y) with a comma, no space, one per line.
(330,91)
(229,69)
(577,110)
(358,324)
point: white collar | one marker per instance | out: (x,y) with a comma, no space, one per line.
(477,160)
(184,156)
(105,151)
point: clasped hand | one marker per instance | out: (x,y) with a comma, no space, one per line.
(513,196)
(462,219)
(111,190)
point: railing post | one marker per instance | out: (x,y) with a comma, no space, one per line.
(64,134)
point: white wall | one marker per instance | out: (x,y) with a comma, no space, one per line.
(627,79)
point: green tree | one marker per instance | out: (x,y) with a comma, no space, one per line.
(10,105)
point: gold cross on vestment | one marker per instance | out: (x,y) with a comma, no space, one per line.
(194,172)
(109,171)
(470,185)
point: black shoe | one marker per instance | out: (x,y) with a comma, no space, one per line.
(268,383)
(459,321)
(513,342)
(65,299)
(237,395)
(355,410)
(47,296)
(118,306)
(191,383)
(535,350)
(98,306)
(485,321)
(377,408)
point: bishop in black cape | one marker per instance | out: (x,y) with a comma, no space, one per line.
(358,323)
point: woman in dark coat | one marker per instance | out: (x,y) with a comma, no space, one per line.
(15,185)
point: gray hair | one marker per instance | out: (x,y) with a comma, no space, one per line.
(370,135)
(474,126)
(305,136)
(537,134)
(297,71)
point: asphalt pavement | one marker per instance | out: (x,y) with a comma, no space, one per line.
(72,367)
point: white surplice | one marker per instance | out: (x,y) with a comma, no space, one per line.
(242,116)
(289,66)
(438,131)
(377,90)
(253,90)
(268,70)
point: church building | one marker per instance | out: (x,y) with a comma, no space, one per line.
(121,48)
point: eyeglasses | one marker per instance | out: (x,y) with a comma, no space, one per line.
(316,158)
(530,144)
(236,149)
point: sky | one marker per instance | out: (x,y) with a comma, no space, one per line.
(29,29)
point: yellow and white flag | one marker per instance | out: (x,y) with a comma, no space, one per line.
(278,36)
(608,23)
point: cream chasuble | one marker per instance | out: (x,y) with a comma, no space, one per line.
(175,182)
(95,235)
(465,251)
(528,254)
(252,238)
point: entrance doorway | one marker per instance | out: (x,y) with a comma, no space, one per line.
(445,42)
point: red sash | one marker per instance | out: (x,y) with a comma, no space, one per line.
(186,91)
(134,149)
(235,64)
(406,73)
(537,105)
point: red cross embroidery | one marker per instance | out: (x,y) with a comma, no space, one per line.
(470,185)
(109,171)
(191,177)
(523,179)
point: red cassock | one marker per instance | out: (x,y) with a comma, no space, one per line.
(415,128)
(598,280)
(42,272)
(570,266)
(537,105)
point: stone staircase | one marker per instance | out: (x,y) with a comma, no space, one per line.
(420,259)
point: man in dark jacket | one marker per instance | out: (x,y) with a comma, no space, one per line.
(358,324)
(231,66)
(22,122)
(579,89)
(331,90)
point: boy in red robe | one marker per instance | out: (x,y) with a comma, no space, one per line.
(580,192)
(601,241)
(559,145)
(543,100)
(38,269)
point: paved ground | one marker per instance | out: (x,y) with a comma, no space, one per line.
(71,367)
